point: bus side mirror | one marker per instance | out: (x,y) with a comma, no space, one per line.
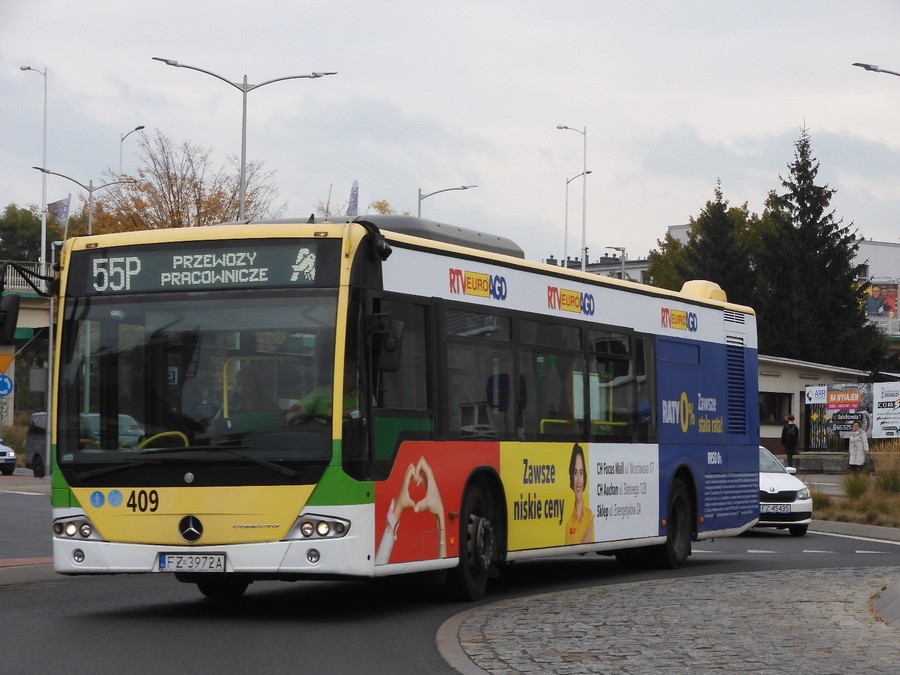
(387,339)
(9,317)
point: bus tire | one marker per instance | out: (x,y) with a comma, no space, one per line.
(223,589)
(675,551)
(477,547)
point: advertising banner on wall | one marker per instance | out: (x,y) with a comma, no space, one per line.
(832,409)
(886,413)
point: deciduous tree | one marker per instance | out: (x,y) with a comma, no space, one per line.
(177,186)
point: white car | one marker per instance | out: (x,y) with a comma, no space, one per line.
(7,459)
(784,500)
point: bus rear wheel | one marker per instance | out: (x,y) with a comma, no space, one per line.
(675,551)
(477,547)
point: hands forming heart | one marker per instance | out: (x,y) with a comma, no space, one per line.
(421,474)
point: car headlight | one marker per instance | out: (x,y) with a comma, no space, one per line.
(803,494)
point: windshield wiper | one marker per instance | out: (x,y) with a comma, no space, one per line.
(231,450)
(105,470)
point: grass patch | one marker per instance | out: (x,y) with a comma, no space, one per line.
(870,499)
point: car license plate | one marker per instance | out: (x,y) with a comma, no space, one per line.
(192,562)
(774,508)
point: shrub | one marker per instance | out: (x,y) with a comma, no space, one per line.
(887,475)
(820,501)
(856,485)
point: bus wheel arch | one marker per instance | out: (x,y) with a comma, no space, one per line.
(482,537)
(681,523)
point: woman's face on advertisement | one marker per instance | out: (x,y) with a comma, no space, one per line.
(578,475)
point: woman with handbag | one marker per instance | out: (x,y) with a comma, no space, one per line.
(859,448)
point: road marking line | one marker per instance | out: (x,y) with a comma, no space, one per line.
(853,536)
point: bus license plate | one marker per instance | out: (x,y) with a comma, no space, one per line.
(774,508)
(194,562)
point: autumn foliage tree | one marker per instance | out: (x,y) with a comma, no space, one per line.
(177,186)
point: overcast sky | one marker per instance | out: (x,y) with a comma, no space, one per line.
(431,95)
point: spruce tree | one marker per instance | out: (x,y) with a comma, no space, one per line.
(808,300)
(717,248)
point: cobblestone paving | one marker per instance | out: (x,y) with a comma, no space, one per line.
(817,622)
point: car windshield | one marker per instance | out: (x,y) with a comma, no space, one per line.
(768,463)
(193,375)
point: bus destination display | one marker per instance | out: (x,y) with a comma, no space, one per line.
(205,266)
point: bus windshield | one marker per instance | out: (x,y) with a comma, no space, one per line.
(195,377)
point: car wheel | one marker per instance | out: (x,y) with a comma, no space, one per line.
(37,466)
(7,470)
(798,530)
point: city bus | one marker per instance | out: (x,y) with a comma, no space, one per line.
(360,398)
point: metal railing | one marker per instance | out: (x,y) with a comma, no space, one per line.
(887,325)
(13,281)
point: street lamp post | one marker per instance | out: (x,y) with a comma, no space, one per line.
(90,190)
(875,69)
(43,255)
(426,196)
(621,250)
(583,195)
(566,235)
(245,89)
(122,138)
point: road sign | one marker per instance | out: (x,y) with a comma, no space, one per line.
(6,386)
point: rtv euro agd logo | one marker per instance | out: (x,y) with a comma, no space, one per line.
(570,301)
(679,319)
(478,284)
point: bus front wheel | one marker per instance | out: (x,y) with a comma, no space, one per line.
(675,551)
(477,546)
(220,588)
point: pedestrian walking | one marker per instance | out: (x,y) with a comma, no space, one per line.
(859,448)
(790,436)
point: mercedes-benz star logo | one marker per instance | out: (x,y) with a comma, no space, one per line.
(191,528)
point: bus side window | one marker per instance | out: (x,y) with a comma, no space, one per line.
(480,376)
(552,371)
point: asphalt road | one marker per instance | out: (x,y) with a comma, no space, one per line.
(765,593)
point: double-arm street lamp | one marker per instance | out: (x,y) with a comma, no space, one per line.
(245,89)
(426,196)
(566,235)
(90,187)
(583,195)
(122,138)
(43,255)
(875,69)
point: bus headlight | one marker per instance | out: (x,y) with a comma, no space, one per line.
(311,526)
(75,527)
